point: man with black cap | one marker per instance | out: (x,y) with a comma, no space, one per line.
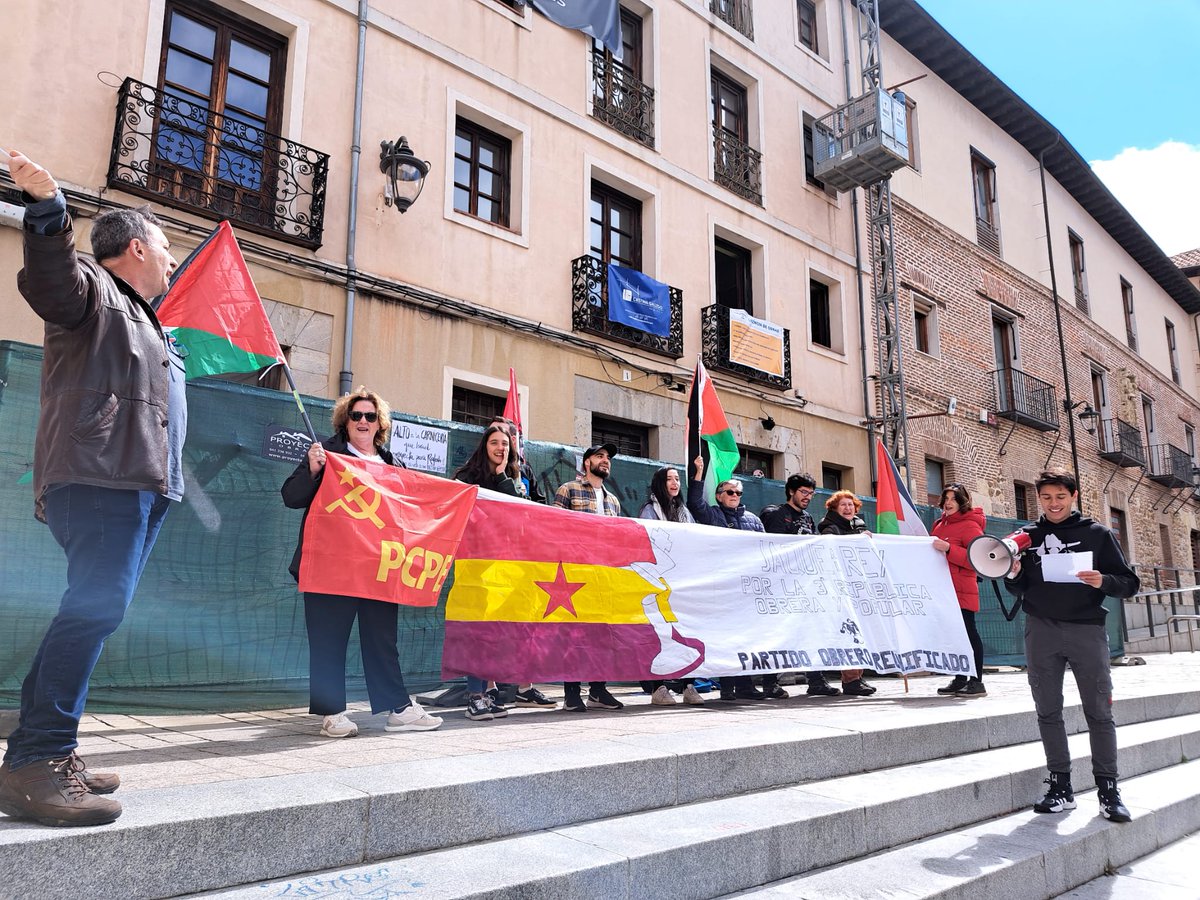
(587,494)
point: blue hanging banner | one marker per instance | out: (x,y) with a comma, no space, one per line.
(599,18)
(638,301)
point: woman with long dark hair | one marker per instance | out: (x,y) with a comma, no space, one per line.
(665,499)
(960,523)
(494,465)
(665,502)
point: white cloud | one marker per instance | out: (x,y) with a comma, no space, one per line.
(1161,189)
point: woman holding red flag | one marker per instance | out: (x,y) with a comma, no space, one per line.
(960,523)
(361,425)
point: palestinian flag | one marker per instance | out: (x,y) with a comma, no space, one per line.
(894,509)
(708,435)
(214,313)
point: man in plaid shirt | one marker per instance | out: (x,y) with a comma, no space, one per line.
(587,494)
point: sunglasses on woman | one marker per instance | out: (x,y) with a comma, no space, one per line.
(358,415)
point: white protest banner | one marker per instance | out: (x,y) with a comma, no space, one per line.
(420,446)
(547,595)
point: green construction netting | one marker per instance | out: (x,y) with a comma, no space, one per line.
(217,623)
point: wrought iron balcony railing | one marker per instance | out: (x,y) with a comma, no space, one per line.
(715,346)
(1025,400)
(737,166)
(620,99)
(738,14)
(1170,466)
(1121,443)
(589,311)
(172,149)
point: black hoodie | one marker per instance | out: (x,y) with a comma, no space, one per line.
(1078,602)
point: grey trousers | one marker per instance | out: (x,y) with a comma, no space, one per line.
(1049,646)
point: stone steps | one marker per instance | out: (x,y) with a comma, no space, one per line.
(1023,856)
(710,848)
(625,817)
(1166,874)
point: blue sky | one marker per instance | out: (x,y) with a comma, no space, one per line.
(1120,80)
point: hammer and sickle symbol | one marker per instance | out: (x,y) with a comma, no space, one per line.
(364,510)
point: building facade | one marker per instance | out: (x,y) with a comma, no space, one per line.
(689,160)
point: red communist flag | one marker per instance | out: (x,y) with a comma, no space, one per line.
(383,533)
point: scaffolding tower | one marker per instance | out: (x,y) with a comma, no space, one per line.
(860,144)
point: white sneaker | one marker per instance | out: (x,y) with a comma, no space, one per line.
(692,697)
(412,718)
(338,726)
(662,697)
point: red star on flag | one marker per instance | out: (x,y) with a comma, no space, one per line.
(560,591)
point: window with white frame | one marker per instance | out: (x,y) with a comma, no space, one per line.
(487,160)
(825,319)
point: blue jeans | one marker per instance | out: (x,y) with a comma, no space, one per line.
(107,536)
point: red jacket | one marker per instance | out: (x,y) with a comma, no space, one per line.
(958,530)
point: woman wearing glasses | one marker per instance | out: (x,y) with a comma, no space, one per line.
(727,513)
(361,426)
(841,517)
(960,523)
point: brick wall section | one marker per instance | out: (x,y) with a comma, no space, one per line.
(966,283)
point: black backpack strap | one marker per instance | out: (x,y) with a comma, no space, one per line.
(1009,615)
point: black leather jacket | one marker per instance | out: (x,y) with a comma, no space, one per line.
(104,374)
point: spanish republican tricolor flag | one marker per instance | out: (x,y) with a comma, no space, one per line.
(894,509)
(382,532)
(543,594)
(214,312)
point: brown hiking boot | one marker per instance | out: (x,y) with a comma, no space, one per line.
(97,782)
(51,792)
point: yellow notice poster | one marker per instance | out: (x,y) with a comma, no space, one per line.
(755,342)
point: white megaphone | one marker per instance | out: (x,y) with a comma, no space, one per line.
(992,557)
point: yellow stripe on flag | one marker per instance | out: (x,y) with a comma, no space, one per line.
(506,591)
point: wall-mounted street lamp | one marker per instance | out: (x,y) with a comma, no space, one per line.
(404,174)
(1088,416)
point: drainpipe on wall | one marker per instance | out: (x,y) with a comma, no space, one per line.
(1068,409)
(862,299)
(346,376)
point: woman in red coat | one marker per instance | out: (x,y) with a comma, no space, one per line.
(960,524)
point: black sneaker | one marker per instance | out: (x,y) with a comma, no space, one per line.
(751,693)
(494,696)
(480,709)
(574,703)
(819,687)
(602,699)
(957,684)
(1059,797)
(1111,806)
(858,688)
(974,688)
(534,697)
(777,692)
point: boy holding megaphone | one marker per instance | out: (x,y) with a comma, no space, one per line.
(1071,564)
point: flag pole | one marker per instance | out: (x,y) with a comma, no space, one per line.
(287,372)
